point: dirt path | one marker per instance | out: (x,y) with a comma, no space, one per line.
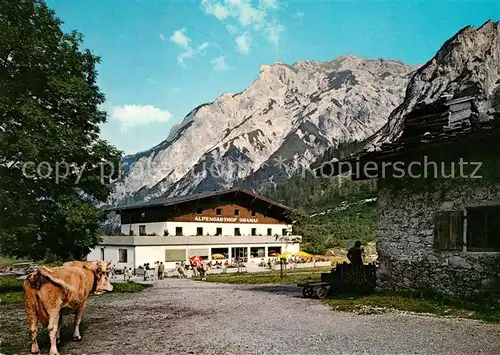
(189,317)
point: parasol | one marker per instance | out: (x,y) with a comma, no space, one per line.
(196,259)
(218,256)
(303,254)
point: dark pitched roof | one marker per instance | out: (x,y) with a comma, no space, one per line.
(427,126)
(171,201)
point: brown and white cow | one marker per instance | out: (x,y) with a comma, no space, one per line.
(50,292)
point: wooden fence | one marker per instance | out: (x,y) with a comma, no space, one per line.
(348,278)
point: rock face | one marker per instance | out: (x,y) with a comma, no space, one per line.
(407,258)
(287,118)
(468,64)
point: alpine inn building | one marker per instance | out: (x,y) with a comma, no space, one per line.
(235,223)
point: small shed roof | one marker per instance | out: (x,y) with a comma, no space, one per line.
(427,126)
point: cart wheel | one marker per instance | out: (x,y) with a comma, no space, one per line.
(308,292)
(321,292)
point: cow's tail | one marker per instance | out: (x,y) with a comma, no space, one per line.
(44,274)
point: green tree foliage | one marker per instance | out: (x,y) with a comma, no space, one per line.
(339,227)
(49,120)
(343,214)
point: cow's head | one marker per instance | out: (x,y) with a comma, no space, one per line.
(101,271)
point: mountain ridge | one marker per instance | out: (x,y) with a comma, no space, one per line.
(466,64)
(294,112)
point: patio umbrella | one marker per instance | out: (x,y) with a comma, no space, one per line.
(217,256)
(196,259)
(303,254)
(287,253)
(274,254)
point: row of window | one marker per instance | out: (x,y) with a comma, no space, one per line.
(475,229)
(218,212)
(199,231)
(180,254)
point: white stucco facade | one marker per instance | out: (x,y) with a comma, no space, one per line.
(111,252)
(149,249)
(207,228)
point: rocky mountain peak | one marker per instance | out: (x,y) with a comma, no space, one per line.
(468,64)
(289,116)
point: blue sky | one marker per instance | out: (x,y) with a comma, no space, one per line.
(161,59)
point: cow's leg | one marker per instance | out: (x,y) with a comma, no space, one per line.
(33,323)
(32,315)
(78,320)
(58,336)
(53,329)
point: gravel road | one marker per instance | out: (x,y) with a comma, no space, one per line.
(190,317)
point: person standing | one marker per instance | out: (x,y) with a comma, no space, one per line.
(355,254)
(154,272)
(146,272)
(161,271)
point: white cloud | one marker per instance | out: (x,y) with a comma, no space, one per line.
(136,115)
(299,14)
(269,4)
(247,16)
(203,46)
(273,32)
(179,37)
(216,9)
(243,43)
(219,63)
(232,29)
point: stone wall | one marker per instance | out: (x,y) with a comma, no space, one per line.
(407,259)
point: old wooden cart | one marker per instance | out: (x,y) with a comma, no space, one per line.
(343,278)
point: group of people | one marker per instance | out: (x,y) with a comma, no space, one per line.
(218,264)
(158,271)
(184,269)
(127,273)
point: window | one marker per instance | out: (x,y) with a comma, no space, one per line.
(142,230)
(237,231)
(218,211)
(257,252)
(218,231)
(254,231)
(253,213)
(122,255)
(199,231)
(236,211)
(448,232)
(178,231)
(269,231)
(481,229)
(199,211)
(223,251)
(202,253)
(175,255)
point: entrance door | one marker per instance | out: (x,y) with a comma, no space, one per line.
(241,253)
